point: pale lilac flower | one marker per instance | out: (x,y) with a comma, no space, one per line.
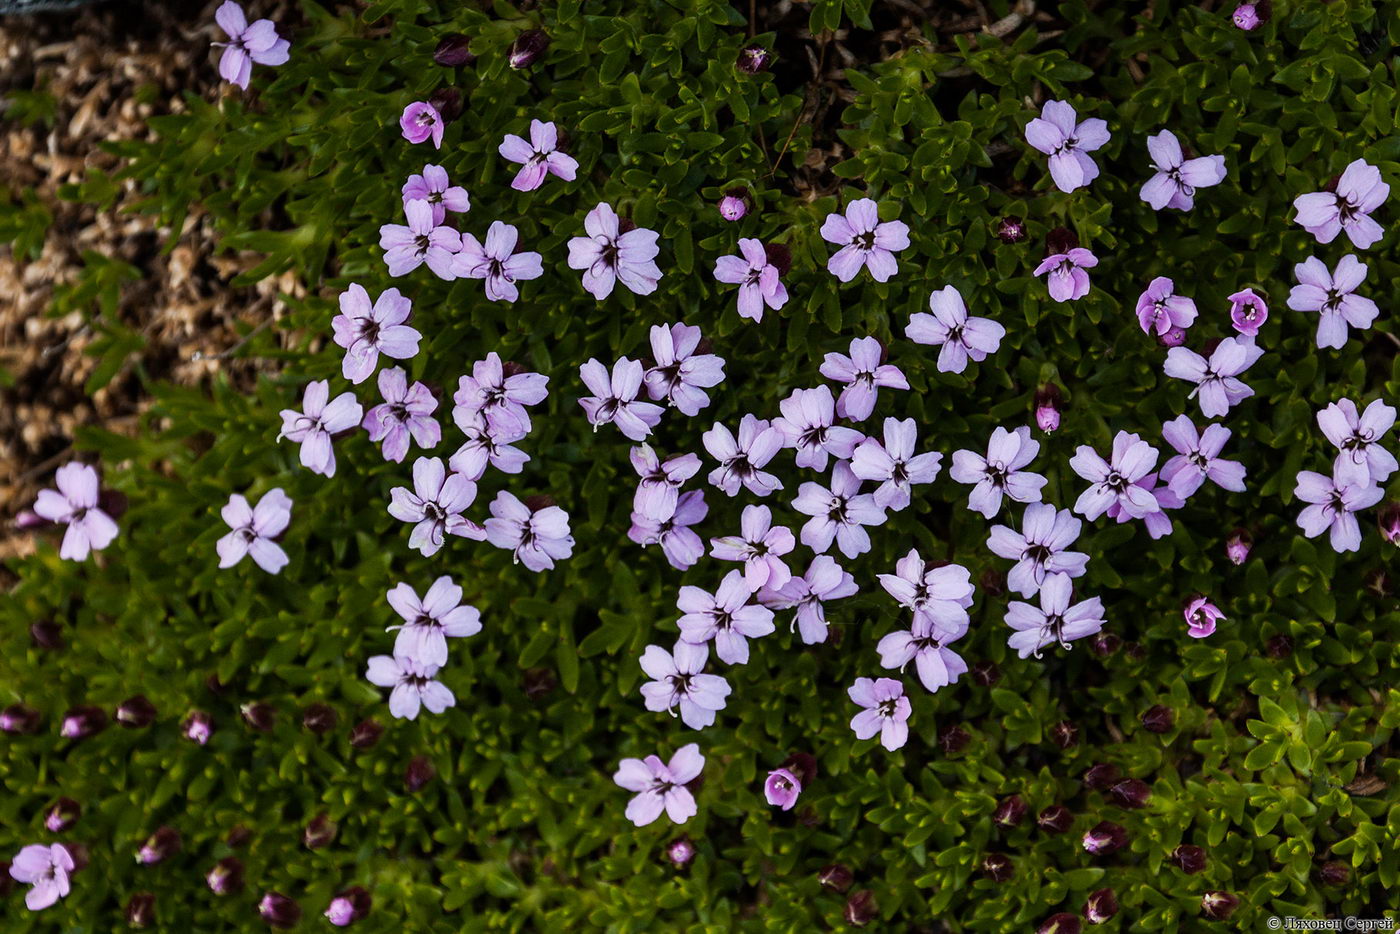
(677,682)
(680,375)
(414,685)
(660,483)
(1248,312)
(681,546)
(318,419)
(75,504)
(45,869)
(864,241)
(742,461)
(940,594)
(497,262)
(886,711)
(1000,471)
(434,187)
(486,445)
(246,44)
(660,786)
(422,241)
(1158,523)
(1039,548)
(1333,504)
(421,120)
(1237,547)
(1054,620)
(1198,457)
(430,621)
(863,375)
(1218,386)
(1159,308)
(1333,296)
(539,158)
(806,424)
(1116,482)
(1361,461)
(1060,134)
(1201,617)
(406,412)
(1177,178)
(781,789)
(758,279)
(760,546)
(365,332)
(1359,191)
(894,464)
(538,537)
(961,337)
(608,254)
(726,616)
(925,643)
(501,398)
(824,580)
(1066,277)
(434,506)
(614,398)
(839,513)
(254,530)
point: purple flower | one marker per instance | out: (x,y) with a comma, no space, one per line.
(1159,308)
(414,685)
(1116,482)
(726,616)
(1201,617)
(894,464)
(962,337)
(863,375)
(781,789)
(486,445)
(679,544)
(942,594)
(434,187)
(1248,312)
(253,530)
(753,59)
(806,424)
(313,426)
(1216,379)
(1324,214)
(864,241)
(925,643)
(1198,458)
(75,504)
(659,489)
(757,278)
(1177,178)
(1060,134)
(1333,504)
(45,869)
(497,262)
(1054,620)
(839,513)
(407,411)
(434,505)
(1333,296)
(423,240)
(824,580)
(734,205)
(760,546)
(1000,471)
(1362,460)
(1246,17)
(615,399)
(198,727)
(501,398)
(429,622)
(365,332)
(607,255)
(539,158)
(677,681)
(348,906)
(539,537)
(246,45)
(660,786)
(1039,548)
(886,711)
(1158,523)
(1237,547)
(421,120)
(1067,279)
(680,375)
(742,461)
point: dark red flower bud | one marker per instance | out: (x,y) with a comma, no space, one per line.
(226,876)
(753,59)
(861,909)
(1334,873)
(1191,859)
(1010,811)
(62,814)
(985,673)
(7,881)
(539,682)
(997,867)
(1279,646)
(1158,719)
(197,727)
(454,49)
(778,256)
(1060,240)
(78,853)
(278,910)
(953,739)
(136,712)
(1101,776)
(319,832)
(261,717)
(420,771)
(680,852)
(1105,644)
(543,500)
(46,634)
(992,582)
(17,718)
(215,686)
(1134,651)
(320,719)
(1062,923)
(1100,906)
(159,846)
(836,877)
(84,721)
(1131,793)
(1064,734)
(803,765)
(1055,819)
(527,48)
(238,836)
(448,103)
(1011,229)
(141,910)
(349,906)
(1218,906)
(112,502)
(1105,837)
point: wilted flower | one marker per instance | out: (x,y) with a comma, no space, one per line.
(836,877)
(453,50)
(962,338)
(760,546)
(414,685)
(497,262)
(428,623)
(863,374)
(136,712)
(62,814)
(886,711)
(1055,620)
(756,275)
(608,254)
(76,504)
(1011,229)
(1359,191)
(539,158)
(741,461)
(434,187)
(421,240)
(45,869)
(864,241)
(1060,134)
(1159,308)
(678,682)
(1332,296)
(753,59)
(527,48)
(998,867)
(1116,481)
(999,473)
(839,513)
(248,43)
(318,420)
(1100,906)
(254,530)
(681,375)
(278,910)
(782,788)
(538,537)
(1064,734)
(894,464)
(1040,548)
(226,876)
(1177,178)
(727,617)
(434,506)
(1218,906)
(1198,458)
(1333,502)
(614,398)
(420,121)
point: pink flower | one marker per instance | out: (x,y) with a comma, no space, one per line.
(538,537)
(428,623)
(434,506)
(1248,312)
(1066,277)
(680,374)
(1201,617)
(609,254)
(864,241)
(1054,620)
(756,276)
(614,398)
(1159,308)
(1246,17)
(894,464)
(886,711)
(806,424)
(1198,458)
(1360,190)
(742,461)
(247,44)
(75,504)
(760,546)
(414,684)
(962,338)
(726,617)
(1060,134)
(45,869)
(497,262)
(863,374)
(1000,472)
(1333,296)
(365,332)
(677,682)
(839,513)
(681,546)
(434,187)
(1115,481)
(313,426)
(1177,178)
(423,240)
(660,786)
(1333,504)
(734,205)
(824,580)
(407,411)
(782,788)
(539,158)
(254,530)
(421,120)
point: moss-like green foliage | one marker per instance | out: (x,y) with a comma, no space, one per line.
(1276,762)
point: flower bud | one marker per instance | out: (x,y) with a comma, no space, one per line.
(215,686)
(1191,859)
(985,674)
(1100,906)
(836,877)
(1064,734)
(680,852)
(992,583)
(159,846)
(861,909)
(319,832)
(366,734)
(198,727)
(17,718)
(454,50)
(1011,229)
(1248,312)
(753,59)
(420,771)
(349,906)
(112,502)
(781,789)
(1060,240)
(539,682)
(448,103)
(238,836)
(527,48)
(1134,651)
(779,257)
(319,719)
(261,717)
(953,739)
(1010,811)
(46,634)
(1105,837)
(1131,793)
(1055,819)
(1201,616)
(1158,719)
(1174,336)
(62,814)
(84,721)
(1334,873)
(136,712)
(1048,403)
(997,867)
(1278,646)
(1105,644)
(78,853)
(1101,776)
(28,520)
(226,876)
(803,765)
(141,910)
(734,205)
(1062,923)
(278,910)
(1218,906)
(1237,547)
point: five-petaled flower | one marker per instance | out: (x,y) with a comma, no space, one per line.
(1039,549)
(961,337)
(999,473)
(539,158)
(760,546)
(660,786)
(497,262)
(1115,481)
(863,374)
(45,869)
(434,506)
(434,187)
(925,643)
(614,398)
(1332,505)
(1055,620)
(500,397)
(609,254)
(726,617)
(941,593)
(486,445)
(1198,458)
(1218,386)
(886,711)
(894,464)
(677,681)
(247,43)
(1333,296)
(1064,273)
(1177,178)
(366,331)
(1359,191)
(680,375)
(421,240)
(864,241)
(427,623)
(1159,308)
(318,419)
(420,121)
(756,275)
(75,504)
(254,530)
(824,580)
(807,425)
(538,537)
(659,487)
(840,512)
(741,460)
(1361,459)
(681,546)
(406,412)
(414,684)
(1060,134)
